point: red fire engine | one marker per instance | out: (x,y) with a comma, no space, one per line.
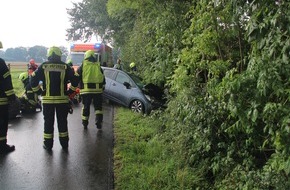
(103,53)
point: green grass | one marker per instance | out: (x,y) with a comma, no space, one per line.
(17,84)
(142,159)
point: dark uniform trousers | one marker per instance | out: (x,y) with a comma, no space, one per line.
(97,101)
(32,97)
(4,117)
(61,111)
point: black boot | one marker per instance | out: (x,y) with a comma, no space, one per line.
(38,106)
(85,124)
(99,121)
(4,149)
(64,142)
(48,144)
(99,125)
(47,148)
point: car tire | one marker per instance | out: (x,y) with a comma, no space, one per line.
(137,106)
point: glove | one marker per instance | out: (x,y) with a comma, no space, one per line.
(70,92)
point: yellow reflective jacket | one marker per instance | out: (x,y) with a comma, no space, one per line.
(91,76)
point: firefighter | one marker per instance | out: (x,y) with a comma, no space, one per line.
(29,96)
(54,75)
(69,63)
(92,84)
(6,95)
(32,66)
(133,67)
(74,97)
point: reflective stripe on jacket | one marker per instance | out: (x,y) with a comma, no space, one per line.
(6,87)
(55,77)
(92,78)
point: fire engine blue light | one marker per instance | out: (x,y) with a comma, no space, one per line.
(97,46)
(72,46)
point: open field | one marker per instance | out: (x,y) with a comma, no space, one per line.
(16,68)
(17,65)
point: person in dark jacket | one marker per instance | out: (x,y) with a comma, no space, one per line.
(69,63)
(55,76)
(92,84)
(6,95)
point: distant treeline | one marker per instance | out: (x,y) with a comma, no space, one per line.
(24,54)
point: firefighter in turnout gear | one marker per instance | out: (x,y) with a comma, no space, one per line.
(6,95)
(133,67)
(30,98)
(92,84)
(69,63)
(54,75)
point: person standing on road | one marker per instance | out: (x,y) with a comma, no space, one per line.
(92,84)
(118,65)
(6,95)
(55,75)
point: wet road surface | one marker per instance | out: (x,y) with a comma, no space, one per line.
(86,165)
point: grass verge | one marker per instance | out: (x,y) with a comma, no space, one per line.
(142,159)
(17,84)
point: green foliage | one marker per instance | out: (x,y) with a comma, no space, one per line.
(226,66)
(16,54)
(88,19)
(38,53)
(234,121)
(151,37)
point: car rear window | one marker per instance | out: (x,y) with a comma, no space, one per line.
(109,73)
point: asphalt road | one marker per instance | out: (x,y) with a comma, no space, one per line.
(86,165)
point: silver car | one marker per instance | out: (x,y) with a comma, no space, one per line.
(128,90)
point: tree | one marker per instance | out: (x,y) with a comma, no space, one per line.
(38,53)
(65,53)
(88,19)
(16,54)
(149,33)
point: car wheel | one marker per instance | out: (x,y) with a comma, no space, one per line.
(137,106)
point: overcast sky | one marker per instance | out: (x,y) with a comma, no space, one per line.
(28,23)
